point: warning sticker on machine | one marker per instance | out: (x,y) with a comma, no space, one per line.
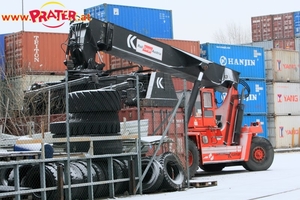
(149,49)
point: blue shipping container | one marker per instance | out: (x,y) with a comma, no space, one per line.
(258,118)
(155,23)
(247,60)
(256,102)
(2,56)
(297,23)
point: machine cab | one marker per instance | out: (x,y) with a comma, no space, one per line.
(204,110)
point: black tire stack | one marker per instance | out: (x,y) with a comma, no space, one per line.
(165,173)
(92,113)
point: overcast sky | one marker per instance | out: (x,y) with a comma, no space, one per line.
(192,19)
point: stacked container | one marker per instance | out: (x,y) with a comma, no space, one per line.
(2,56)
(35,53)
(276,31)
(283,91)
(156,23)
(249,61)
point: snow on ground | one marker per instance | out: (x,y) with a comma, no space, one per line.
(281,181)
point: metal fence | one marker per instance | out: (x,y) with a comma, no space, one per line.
(104,137)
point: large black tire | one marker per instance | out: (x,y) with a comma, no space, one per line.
(101,188)
(100,147)
(193,156)
(80,128)
(94,101)
(121,187)
(22,175)
(213,167)
(173,172)
(153,177)
(88,123)
(261,155)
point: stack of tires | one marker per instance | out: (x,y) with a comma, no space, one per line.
(92,113)
(78,175)
(165,173)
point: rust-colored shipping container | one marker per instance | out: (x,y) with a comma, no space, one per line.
(157,124)
(288,44)
(262,28)
(283,26)
(35,52)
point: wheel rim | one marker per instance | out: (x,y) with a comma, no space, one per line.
(259,154)
(191,158)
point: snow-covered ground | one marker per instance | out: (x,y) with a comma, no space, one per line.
(281,181)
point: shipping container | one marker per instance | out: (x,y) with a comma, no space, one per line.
(157,124)
(282,65)
(283,26)
(284,131)
(248,119)
(247,60)
(2,56)
(297,44)
(264,44)
(35,52)
(288,44)
(283,98)
(151,22)
(256,102)
(297,23)
(262,28)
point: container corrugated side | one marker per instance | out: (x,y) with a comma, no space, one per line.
(288,44)
(2,56)
(264,44)
(297,23)
(282,65)
(35,52)
(283,25)
(297,44)
(248,119)
(151,22)
(284,131)
(283,98)
(256,102)
(261,27)
(247,60)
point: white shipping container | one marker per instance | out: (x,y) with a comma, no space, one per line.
(284,131)
(297,44)
(283,98)
(282,65)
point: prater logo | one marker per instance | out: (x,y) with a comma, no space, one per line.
(52,14)
(46,15)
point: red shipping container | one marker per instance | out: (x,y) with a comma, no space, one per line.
(262,28)
(283,26)
(288,44)
(35,52)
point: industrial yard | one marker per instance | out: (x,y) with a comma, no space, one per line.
(119,108)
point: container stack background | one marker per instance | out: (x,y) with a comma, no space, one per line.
(277,31)
(283,91)
(249,61)
(269,64)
